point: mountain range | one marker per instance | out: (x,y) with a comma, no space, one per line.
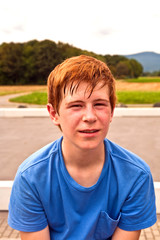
(149,60)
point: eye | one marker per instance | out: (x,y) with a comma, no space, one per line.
(76,106)
(100,104)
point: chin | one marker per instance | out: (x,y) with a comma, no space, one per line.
(90,146)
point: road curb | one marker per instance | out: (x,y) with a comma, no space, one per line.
(23,112)
(42,112)
(5,191)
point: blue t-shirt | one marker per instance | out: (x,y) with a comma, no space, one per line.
(44,194)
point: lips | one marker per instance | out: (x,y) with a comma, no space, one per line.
(89,131)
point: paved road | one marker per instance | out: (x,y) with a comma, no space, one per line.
(19,137)
(5,103)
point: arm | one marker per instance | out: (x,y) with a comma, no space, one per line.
(120,234)
(40,235)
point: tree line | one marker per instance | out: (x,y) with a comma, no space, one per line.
(31,62)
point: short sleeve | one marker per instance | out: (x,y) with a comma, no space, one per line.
(139,210)
(26,212)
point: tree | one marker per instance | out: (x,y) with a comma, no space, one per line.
(31,62)
(136,68)
(123,69)
(47,56)
(11,63)
(114,60)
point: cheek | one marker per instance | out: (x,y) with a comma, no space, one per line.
(76,115)
(71,118)
(105,117)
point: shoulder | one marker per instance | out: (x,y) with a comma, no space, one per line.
(125,159)
(132,186)
(40,158)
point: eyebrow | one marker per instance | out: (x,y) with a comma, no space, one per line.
(73,102)
(101,99)
(81,101)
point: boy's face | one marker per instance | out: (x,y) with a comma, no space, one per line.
(84,120)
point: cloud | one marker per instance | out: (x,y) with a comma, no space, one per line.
(13,29)
(104,27)
(104,32)
(6,31)
(19,28)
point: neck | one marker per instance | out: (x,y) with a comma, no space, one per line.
(84,166)
(83,158)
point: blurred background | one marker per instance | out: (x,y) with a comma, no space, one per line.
(35,36)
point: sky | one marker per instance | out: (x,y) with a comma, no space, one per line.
(101,26)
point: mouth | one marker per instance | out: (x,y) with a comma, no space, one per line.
(89,131)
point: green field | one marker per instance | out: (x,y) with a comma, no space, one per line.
(39,98)
(126,97)
(138,97)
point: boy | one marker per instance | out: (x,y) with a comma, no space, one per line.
(82,186)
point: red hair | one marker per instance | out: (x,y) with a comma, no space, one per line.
(75,70)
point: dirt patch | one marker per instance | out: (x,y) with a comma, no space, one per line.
(121,86)
(18,89)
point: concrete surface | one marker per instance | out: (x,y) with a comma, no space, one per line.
(42,112)
(6,232)
(20,137)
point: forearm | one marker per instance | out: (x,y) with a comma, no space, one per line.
(120,234)
(40,235)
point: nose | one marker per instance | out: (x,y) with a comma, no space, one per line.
(89,115)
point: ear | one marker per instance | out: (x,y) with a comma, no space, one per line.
(53,114)
(112,113)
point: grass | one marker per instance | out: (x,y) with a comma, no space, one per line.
(138,97)
(126,97)
(39,98)
(143,80)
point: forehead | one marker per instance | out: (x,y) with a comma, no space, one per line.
(85,90)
